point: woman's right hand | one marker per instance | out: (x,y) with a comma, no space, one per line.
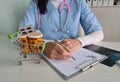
(55,51)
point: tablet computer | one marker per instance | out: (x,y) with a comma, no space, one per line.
(113,55)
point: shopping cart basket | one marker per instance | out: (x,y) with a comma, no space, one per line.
(29,55)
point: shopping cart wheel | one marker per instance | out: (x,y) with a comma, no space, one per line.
(24,56)
(19,63)
(38,61)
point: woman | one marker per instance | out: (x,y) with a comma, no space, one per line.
(61,23)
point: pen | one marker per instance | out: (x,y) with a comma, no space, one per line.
(64,48)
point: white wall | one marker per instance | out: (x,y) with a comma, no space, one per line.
(109,17)
(11,12)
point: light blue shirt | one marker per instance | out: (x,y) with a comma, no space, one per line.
(50,22)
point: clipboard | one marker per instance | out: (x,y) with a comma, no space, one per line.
(69,68)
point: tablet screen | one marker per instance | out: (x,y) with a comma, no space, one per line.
(113,55)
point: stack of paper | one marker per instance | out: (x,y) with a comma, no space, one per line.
(111,2)
(89,2)
(94,3)
(105,2)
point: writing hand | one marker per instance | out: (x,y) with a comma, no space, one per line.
(71,44)
(55,51)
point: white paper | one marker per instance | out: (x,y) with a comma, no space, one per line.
(83,58)
(100,2)
(89,2)
(105,2)
(94,2)
(111,2)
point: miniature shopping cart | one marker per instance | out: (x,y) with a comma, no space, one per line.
(29,55)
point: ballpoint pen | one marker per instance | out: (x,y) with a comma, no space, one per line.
(64,48)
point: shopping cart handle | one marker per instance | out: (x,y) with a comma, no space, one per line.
(11,36)
(43,46)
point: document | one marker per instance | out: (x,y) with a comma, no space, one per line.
(100,3)
(85,59)
(94,3)
(105,2)
(111,2)
(89,2)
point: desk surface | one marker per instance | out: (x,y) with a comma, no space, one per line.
(30,72)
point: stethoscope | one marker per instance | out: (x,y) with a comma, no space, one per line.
(60,17)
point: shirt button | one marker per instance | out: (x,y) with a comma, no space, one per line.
(62,38)
(68,31)
(56,29)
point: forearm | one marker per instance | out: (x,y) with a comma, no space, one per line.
(91,38)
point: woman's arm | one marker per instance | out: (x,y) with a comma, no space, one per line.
(91,38)
(91,26)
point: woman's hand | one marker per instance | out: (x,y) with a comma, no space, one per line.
(55,51)
(71,44)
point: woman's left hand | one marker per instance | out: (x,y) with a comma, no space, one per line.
(71,44)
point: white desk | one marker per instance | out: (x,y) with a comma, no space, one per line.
(30,72)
